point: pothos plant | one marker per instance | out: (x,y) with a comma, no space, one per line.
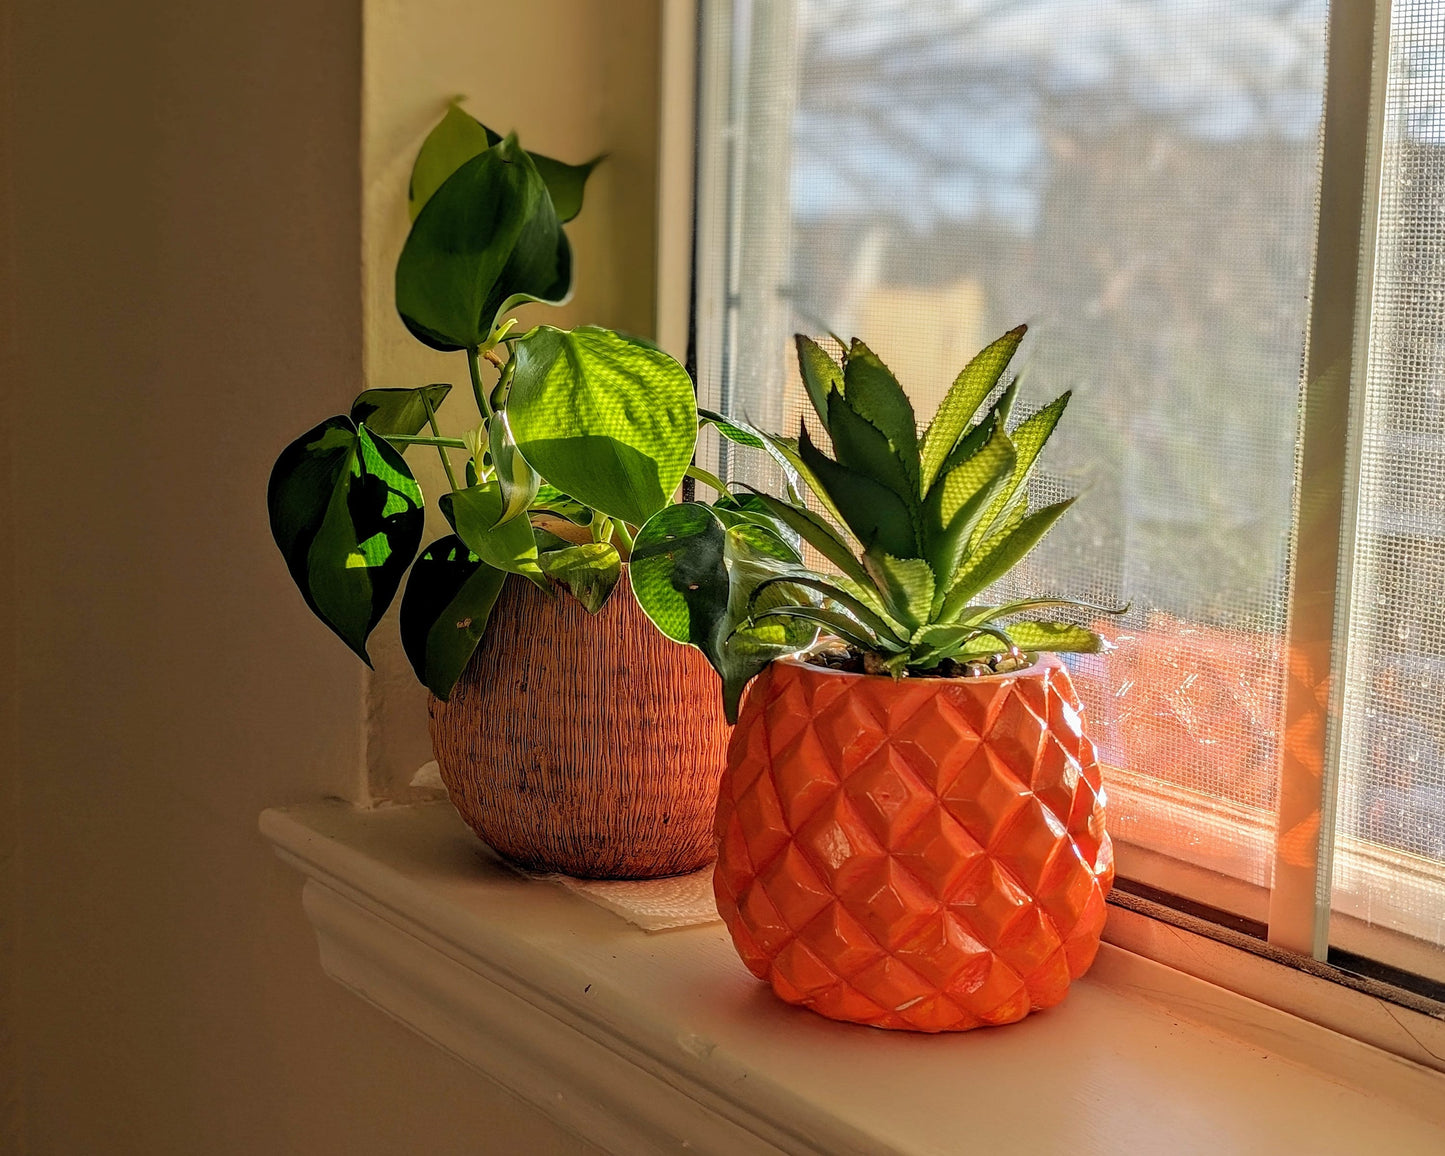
(915,528)
(582,436)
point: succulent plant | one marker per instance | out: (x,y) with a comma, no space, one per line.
(935,520)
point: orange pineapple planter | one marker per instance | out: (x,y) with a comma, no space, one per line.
(584,743)
(927,854)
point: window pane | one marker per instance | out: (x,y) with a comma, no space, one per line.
(1390,856)
(1138,182)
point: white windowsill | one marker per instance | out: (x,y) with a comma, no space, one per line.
(664,1043)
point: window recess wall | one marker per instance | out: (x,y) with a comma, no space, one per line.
(1179,198)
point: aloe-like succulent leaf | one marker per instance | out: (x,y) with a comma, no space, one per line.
(906,584)
(833,621)
(875,395)
(831,589)
(1029,439)
(820,373)
(965,395)
(1057,637)
(998,554)
(861,446)
(815,530)
(960,499)
(876,515)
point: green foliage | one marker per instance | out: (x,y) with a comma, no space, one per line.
(934,520)
(579,440)
(696,571)
(347,516)
(609,419)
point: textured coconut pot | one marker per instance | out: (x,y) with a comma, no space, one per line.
(586,744)
(927,854)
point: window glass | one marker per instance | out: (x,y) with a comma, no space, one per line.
(1390,852)
(1137,181)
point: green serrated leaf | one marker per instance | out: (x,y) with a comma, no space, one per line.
(1054,637)
(875,395)
(821,375)
(815,530)
(609,419)
(885,633)
(488,238)
(961,498)
(444,611)
(474,514)
(1028,439)
(965,395)
(860,446)
(833,621)
(590,571)
(998,554)
(876,515)
(397,411)
(906,584)
(347,516)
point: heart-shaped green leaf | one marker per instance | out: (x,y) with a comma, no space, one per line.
(397,411)
(449,597)
(458,137)
(609,419)
(487,238)
(589,571)
(695,579)
(474,513)
(347,515)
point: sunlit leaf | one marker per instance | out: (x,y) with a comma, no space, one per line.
(906,584)
(998,554)
(519,481)
(1028,439)
(820,373)
(449,597)
(347,515)
(964,396)
(474,513)
(590,571)
(609,419)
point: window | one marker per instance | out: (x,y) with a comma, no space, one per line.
(1230,247)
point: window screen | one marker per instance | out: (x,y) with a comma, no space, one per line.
(1390,852)
(1138,182)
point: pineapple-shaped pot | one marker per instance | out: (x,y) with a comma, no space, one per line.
(926,853)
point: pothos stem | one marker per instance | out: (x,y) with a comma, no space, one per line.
(431,417)
(474,364)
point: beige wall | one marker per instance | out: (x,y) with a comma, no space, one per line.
(187,295)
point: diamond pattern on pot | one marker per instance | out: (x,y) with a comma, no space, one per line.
(927,854)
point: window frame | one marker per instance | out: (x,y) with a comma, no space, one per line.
(1283,956)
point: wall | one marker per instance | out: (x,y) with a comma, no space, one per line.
(187,296)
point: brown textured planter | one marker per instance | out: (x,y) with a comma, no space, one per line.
(581,743)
